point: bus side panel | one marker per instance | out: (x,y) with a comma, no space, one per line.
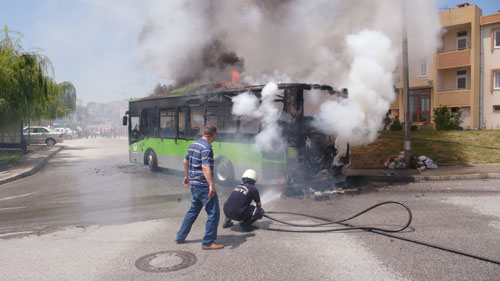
(136,156)
(168,152)
(244,156)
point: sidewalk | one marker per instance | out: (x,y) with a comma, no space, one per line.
(465,172)
(29,164)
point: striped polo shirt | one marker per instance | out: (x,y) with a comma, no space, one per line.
(199,153)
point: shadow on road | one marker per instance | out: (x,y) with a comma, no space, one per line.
(229,241)
(79,147)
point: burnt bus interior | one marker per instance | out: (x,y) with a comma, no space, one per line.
(183,116)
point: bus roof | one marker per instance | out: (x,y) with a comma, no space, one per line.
(229,87)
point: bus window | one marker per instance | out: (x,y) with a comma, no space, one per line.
(250,126)
(222,118)
(149,122)
(134,124)
(167,123)
(197,120)
(182,123)
(227,124)
(313,99)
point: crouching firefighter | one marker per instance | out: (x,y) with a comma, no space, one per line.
(238,206)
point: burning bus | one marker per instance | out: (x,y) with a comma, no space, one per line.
(161,128)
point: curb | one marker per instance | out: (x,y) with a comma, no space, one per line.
(459,177)
(421,178)
(33,170)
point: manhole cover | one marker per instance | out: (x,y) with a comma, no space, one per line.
(166,261)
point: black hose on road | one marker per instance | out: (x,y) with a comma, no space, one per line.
(376,230)
(329,222)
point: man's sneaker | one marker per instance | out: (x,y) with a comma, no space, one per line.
(227,224)
(213,247)
(179,241)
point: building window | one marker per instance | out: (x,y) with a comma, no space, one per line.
(420,109)
(462,79)
(423,67)
(496,80)
(497,39)
(461,40)
(496,108)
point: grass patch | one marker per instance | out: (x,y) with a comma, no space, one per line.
(8,156)
(444,147)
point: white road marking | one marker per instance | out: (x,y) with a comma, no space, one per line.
(15,233)
(18,196)
(13,208)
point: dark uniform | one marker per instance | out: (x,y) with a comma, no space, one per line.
(237,206)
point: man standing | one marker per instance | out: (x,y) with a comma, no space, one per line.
(198,168)
(238,205)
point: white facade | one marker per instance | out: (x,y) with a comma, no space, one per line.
(490,76)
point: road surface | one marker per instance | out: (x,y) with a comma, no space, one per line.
(90,215)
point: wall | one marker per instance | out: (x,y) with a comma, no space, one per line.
(491,60)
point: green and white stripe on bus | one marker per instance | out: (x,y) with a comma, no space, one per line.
(170,153)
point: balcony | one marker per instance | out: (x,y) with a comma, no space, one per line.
(453,59)
(453,98)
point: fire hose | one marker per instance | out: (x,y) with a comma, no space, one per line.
(372,229)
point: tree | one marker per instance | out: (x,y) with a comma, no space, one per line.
(69,94)
(27,88)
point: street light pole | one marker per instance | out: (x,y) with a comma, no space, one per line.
(406,87)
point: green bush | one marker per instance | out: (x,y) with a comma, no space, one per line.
(396,126)
(445,119)
(387,122)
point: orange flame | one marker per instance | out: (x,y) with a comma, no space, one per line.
(236,77)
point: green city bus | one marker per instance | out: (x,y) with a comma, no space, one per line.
(161,128)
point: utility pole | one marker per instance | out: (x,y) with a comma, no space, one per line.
(406,87)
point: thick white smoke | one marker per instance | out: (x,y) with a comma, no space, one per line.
(345,44)
(357,119)
(247,105)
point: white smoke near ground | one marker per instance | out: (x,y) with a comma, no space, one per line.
(246,105)
(345,44)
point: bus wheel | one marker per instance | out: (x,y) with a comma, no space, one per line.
(152,161)
(224,171)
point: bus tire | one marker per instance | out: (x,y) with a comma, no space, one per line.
(224,171)
(152,161)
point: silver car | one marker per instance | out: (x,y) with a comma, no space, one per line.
(68,134)
(42,135)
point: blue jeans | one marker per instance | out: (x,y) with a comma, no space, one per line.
(199,199)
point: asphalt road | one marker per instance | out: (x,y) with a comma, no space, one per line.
(90,215)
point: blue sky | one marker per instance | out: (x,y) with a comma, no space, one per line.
(93,43)
(488,6)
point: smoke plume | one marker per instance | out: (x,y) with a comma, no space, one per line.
(246,105)
(357,119)
(345,44)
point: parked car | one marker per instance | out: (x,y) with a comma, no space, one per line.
(68,134)
(42,135)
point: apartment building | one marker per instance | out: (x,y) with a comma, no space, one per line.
(490,71)
(462,75)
